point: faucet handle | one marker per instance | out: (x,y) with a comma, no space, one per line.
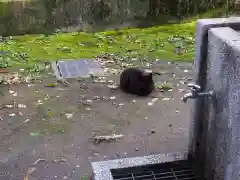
(194,87)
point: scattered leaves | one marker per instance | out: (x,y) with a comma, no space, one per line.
(164,86)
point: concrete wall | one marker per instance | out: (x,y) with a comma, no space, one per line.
(215,132)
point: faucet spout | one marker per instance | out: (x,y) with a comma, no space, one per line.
(187,96)
(196,92)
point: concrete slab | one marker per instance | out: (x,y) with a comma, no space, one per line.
(69,68)
(102,170)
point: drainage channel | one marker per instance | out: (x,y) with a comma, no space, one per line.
(179,170)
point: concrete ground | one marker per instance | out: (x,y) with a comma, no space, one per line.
(55,127)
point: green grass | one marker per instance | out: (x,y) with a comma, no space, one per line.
(155,42)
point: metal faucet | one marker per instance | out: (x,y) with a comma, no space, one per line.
(195,92)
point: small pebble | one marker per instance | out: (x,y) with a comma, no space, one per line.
(181,90)
(153,131)
(125,154)
(30,85)
(95,154)
(136,149)
(89,101)
(118,154)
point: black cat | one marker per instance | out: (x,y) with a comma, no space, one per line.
(137,81)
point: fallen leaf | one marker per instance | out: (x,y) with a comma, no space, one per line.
(21,106)
(154,99)
(34,134)
(12,114)
(112,98)
(112,86)
(181,90)
(11,91)
(150,103)
(27,120)
(113,137)
(52,85)
(39,102)
(9,106)
(166,99)
(69,115)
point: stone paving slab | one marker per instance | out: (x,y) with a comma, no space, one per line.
(78,68)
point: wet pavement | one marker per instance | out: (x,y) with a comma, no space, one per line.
(51,135)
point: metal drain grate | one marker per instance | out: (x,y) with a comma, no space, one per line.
(78,68)
(167,171)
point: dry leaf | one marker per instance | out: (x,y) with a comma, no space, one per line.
(113,137)
(166,99)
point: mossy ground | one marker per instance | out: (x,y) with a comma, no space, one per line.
(168,42)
